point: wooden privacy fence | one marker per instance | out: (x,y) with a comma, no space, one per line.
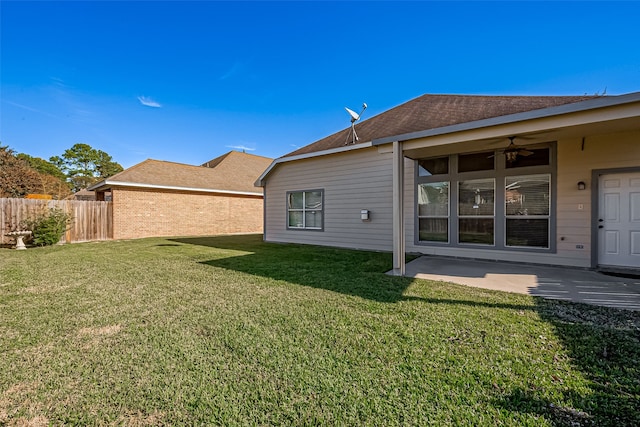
(90,220)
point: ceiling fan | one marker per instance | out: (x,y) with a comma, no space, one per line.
(513,151)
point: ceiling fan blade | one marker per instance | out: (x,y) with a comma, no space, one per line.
(524,152)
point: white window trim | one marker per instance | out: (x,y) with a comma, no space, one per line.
(304,210)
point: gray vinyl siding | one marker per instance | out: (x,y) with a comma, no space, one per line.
(612,151)
(351,181)
(362,179)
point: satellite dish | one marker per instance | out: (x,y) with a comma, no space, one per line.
(354,118)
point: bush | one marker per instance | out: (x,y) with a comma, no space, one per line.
(48,227)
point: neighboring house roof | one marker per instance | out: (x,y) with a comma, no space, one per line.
(82,194)
(239,167)
(436,111)
(232,173)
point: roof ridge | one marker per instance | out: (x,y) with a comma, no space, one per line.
(507,96)
(127,169)
(430,111)
(247,154)
(213,163)
(166,161)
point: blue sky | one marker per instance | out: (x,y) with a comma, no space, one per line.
(189,81)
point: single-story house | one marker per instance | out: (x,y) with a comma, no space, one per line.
(552,180)
(87,196)
(160,198)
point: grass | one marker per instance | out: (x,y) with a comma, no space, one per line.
(234,331)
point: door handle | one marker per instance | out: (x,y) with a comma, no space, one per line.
(601,226)
(601,220)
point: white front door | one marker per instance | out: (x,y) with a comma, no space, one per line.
(619,220)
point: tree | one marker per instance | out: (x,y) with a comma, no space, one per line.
(84,165)
(17,178)
(42,166)
(106,166)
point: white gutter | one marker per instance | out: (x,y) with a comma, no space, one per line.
(576,107)
(168,187)
(350,147)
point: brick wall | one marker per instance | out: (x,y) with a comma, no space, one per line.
(142,213)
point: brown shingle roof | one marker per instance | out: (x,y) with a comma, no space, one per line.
(435,111)
(240,167)
(233,171)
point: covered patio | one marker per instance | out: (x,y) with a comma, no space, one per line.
(592,144)
(570,284)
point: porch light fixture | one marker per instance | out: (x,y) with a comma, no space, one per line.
(582,185)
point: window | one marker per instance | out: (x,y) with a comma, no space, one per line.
(534,157)
(476,211)
(305,210)
(436,166)
(433,212)
(460,201)
(527,207)
(476,162)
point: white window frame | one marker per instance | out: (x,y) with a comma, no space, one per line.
(304,210)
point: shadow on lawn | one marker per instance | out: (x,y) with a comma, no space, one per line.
(356,273)
(348,272)
(603,343)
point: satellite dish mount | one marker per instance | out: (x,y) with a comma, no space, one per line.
(354,118)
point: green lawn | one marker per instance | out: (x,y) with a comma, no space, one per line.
(233,331)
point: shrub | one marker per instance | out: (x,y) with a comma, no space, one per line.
(47,227)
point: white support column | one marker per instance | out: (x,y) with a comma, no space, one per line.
(398,210)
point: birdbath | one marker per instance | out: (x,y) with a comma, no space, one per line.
(19,235)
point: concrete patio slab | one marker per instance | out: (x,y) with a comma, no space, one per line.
(569,284)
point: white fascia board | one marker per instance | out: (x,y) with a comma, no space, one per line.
(169,187)
(97,185)
(591,104)
(351,147)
